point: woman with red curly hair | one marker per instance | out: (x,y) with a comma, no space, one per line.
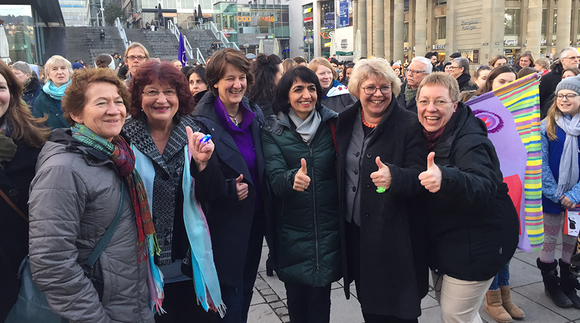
(160,113)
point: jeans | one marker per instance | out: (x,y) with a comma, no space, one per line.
(308,304)
(502,278)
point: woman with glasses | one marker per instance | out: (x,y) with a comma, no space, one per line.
(561,190)
(460,71)
(380,155)
(160,112)
(335,95)
(135,55)
(473,225)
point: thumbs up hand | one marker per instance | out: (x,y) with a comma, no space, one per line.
(382,177)
(301,179)
(242,188)
(431,178)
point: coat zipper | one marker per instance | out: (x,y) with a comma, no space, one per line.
(314,212)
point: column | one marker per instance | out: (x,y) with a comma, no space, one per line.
(362,25)
(534,29)
(450,28)
(398,24)
(378,41)
(369,21)
(563,26)
(388,48)
(420,27)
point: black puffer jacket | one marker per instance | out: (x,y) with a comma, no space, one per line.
(307,223)
(474,225)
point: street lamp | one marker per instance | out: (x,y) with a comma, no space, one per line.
(309,40)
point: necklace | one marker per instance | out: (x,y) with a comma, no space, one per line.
(368,125)
(233,117)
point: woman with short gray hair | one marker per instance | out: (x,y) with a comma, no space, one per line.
(460,71)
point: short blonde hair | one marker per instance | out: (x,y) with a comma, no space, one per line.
(368,68)
(442,79)
(56,60)
(135,45)
(320,61)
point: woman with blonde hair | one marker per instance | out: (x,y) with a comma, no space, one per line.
(335,96)
(48,102)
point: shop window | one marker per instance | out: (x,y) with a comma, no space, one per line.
(441,28)
(512,22)
(555,21)
(438,2)
(406,32)
(544,21)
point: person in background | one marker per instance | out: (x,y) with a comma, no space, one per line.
(237,216)
(480,75)
(569,72)
(267,71)
(560,190)
(346,72)
(135,55)
(568,58)
(288,64)
(105,61)
(41,75)
(448,68)
(336,96)
(251,57)
(380,155)
(75,195)
(197,83)
(298,149)
(21,139)
(419,68)
(525,60)
(526,71)
(48,102)
(497,77)
(465,235)
(542,65)
(498,60)
(300,61)
(177,64)
(433,57)
(32,87)
(460,71)
(77,66)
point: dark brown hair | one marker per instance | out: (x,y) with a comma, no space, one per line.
(20,122)
(492,76)
(154,71)
(216,68)
(74,99)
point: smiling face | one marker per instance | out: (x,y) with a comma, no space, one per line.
(434,107)
(4,95)
(525,62)
(325,76)
(59,74)
(159,103)
(480,80)
(196,84)
(302,97)
(502,79)
(568,106)
(104,112)
(375,105)
(232,86)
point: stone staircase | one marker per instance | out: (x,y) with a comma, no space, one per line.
(84,43)
(202,39)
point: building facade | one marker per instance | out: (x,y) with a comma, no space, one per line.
(402,29)
(75,12)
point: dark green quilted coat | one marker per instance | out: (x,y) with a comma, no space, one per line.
(307,243)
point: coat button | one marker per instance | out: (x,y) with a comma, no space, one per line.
(368,185)
(354,189)
(367,215)
(13,192)
(355,171)
(164,177)
(356,154)
(369,155)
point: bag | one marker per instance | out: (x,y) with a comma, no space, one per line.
(32,306)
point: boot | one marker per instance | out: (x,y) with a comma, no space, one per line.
(506,300)
(568,282)
(494,308)
(552,284)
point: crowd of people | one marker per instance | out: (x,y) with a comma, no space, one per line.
(372,172)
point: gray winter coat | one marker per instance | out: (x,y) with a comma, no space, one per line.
(73,198)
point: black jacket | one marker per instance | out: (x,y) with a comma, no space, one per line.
(474,225)
(548,84)
(31,92)
(15,178)
(393,269)
(402,100)
(465,83)
(230,220)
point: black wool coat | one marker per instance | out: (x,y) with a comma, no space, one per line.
(473,223)
(230,220)
(15,178)
(393,269)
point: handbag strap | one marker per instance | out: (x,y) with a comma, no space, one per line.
(13,206)
(109,233)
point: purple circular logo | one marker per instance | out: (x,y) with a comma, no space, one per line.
(493,122)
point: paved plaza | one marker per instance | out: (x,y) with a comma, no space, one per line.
(269,302)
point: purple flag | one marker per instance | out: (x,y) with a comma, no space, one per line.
(182,54)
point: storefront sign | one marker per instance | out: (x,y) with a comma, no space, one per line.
(469,24)
(343,14)
(439,46)
(249,19)
(510,42)
(329,20)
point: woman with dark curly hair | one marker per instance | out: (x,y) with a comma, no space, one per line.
(160,113)
(197,82)
(267,72)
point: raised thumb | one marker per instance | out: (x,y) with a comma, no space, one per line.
(303,163)
(431,160)
(379,162)
(239,179)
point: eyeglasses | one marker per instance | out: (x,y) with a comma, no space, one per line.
(139,58)
(568,97)
(410,71)
(154,93)
(437,103)
(370,90)
(453,67)
(571,57)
